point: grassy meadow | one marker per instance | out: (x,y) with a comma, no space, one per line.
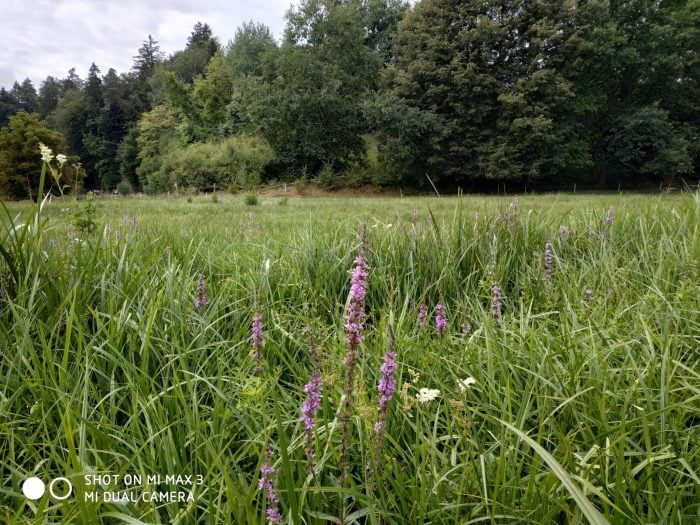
(584,405)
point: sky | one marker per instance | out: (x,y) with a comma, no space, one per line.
(48,37)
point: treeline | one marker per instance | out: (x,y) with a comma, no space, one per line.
(450,92)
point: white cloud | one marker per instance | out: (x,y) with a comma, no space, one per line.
(48,37)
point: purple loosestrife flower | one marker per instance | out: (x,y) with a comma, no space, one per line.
(202,299)
(266,485)
(257,340)
(312,404)
(496,303)
(133,222)
(386,386)
(563,232)
(466,329)
(548,259)
(423,316)
(354,328)
(440,318)
(610,216)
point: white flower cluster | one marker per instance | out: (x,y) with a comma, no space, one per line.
(61,158)
(46,153)
(427,394)
(466,384)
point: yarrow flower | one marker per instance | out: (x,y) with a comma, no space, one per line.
(61,158)
(466,384)
(496,303)
(386,386)
(202,299)
(257,340)
(46,153)
(427,394)
(423,316)
(312,404)
(266,484)
(440,318)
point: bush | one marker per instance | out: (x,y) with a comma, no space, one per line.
(124,187)
(238,161)
(251,199)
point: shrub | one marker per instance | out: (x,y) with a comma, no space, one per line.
(238,161)
(124,187)
(251,199)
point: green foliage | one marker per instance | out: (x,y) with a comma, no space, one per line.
(84,215)
(251,199)
(125,187)
(238,160)
(250,49)
(579,409)
(156,137)
(20,162)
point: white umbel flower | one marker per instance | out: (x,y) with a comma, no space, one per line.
(61,158)
(466,384)
(427,394)
(46,153)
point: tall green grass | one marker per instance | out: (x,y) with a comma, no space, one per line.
(582,411)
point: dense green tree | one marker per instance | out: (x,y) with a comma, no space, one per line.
(193,60)
(248,52)
(20,161)
(49,95)
(26,95)
(9,105)
(157,136)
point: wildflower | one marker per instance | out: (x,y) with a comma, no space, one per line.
(427,394)
(587,295)
(466,329)
(266,484)
(61,158)
(548,259)
(496,303)
(106,234)
(202,299)
(133,222)
(514,205)
(563,233)
(440,318)
(117,235)
(422,316)
(46,153)
(466,384)
(354,327)
(610,216)
(386,386)
(257,339)
(312,404)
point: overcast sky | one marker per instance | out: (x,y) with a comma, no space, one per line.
(48,37)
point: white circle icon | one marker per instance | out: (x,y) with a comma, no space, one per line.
(33,488)
(61,497)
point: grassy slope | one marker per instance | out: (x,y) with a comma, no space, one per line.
(108,368)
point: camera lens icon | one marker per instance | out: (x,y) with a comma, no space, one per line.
(60,488)
(33,488)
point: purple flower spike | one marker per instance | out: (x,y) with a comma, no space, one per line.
(548,259)
(257,340)
(312,404)
(266,484)
(496,303)
(354,328)
(440,318)
(610,216)
(423,316)
(202,299)
(386,386)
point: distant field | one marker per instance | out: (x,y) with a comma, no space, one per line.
(127,350)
